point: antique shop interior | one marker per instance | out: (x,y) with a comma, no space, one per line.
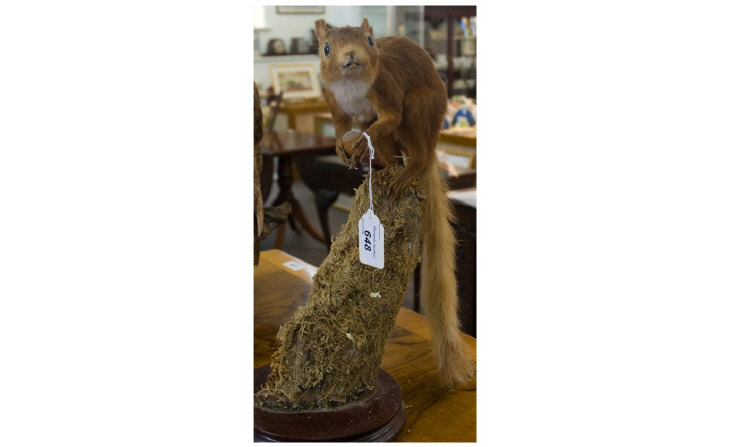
(286,50)
(308,192)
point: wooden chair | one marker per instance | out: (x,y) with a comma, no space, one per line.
(274,101)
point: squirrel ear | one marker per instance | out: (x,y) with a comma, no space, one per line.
(366,26)
(321,29)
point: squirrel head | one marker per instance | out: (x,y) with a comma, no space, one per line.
(347,52)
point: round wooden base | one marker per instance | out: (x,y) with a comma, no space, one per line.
(377,418)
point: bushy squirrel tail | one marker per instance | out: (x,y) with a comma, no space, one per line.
(438,285)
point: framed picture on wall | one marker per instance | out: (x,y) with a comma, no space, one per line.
(296,80)
(300,9)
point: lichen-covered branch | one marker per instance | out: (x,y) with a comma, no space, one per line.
(331,349)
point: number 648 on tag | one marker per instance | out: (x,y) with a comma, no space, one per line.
(371,246)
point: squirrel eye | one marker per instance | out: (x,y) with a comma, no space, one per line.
(369,40)
(327,49)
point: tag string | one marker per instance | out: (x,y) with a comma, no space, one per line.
(372,155)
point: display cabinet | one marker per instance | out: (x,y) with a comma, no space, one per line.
(450,38)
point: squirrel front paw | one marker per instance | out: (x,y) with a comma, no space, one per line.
(342,152)
(359,149)
(351,148)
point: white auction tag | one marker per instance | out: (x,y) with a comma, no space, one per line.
(371,237)
(371,240)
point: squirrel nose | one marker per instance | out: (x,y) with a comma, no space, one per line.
(350,54)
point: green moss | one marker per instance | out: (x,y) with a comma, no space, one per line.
(331,349)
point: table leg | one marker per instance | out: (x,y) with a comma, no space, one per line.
(324,200)
(285,180)
(285,195)
(280,232)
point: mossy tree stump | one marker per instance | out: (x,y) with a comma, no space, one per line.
(331,349)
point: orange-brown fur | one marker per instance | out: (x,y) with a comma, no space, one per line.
(392,90)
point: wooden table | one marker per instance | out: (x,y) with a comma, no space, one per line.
(465,138)
(285,145)
(432,413)
(330,176)
(320,120)
(299,113)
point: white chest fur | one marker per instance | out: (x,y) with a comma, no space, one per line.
(350,96)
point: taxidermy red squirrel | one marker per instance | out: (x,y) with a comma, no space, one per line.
(391,88)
